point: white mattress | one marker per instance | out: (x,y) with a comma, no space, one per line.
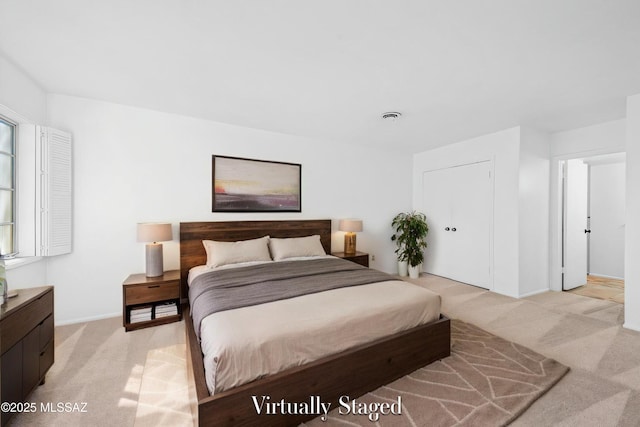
(248,343)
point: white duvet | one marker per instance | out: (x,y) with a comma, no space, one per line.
(248,343)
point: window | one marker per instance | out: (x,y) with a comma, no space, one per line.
(7,188)
(35,189)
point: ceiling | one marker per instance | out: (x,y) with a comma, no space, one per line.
(330,68)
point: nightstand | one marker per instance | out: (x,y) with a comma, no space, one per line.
(361,258)
(151,301)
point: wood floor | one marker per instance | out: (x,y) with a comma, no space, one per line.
(602,288)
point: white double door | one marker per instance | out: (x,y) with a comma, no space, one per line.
(458,204)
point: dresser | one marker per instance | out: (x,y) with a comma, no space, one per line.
(26,343)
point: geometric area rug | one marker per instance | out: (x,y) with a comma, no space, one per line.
(487,381)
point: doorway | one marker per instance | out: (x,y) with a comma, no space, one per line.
(593,209)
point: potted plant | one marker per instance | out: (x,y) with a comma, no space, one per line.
(399,237)
(410,232)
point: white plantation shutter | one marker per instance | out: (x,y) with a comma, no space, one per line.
(54,194)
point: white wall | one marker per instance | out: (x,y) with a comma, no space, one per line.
(23,101)
(31,275)
(603,138)
(520,243)
(607,211)
(20,93)
(134,165)
(632,234)
(501,148)
(533,205)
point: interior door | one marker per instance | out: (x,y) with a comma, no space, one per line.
(458,204)
(576,176)
(471,210)
(436,205)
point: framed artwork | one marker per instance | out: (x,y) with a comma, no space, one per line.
(248,185)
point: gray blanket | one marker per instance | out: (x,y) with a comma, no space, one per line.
(240,287)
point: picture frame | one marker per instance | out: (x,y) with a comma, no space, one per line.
(250,185)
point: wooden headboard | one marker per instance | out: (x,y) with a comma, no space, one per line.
(192,234)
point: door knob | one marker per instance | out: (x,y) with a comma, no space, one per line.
(587,231)
(453,229)
(446,229)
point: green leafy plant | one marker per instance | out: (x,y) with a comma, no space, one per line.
(410,231)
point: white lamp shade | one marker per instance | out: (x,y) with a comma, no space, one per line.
(154,232)
(352,225)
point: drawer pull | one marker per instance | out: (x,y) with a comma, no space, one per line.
(153,286)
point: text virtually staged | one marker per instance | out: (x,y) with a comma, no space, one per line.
(264,405)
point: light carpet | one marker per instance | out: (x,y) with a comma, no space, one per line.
(98,363)
(487,381)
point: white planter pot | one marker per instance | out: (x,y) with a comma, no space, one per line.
(403,268)
(414,272)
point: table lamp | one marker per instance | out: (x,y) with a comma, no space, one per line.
(152,233)
(351,226)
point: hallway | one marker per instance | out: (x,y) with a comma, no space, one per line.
(603,288)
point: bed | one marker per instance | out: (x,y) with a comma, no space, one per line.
(352,371)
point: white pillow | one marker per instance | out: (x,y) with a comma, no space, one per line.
(296,247)
(223,253)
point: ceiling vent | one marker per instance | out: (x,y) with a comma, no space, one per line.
(391,116)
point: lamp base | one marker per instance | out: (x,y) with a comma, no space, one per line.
(154,257)
(350,243)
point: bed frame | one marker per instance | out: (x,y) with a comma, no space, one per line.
(352,372)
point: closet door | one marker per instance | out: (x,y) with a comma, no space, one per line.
(471,201)
(458,204)
(436,205)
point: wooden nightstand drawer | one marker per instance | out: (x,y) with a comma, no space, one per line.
(152,292)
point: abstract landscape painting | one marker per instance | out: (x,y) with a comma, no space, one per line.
(246,185)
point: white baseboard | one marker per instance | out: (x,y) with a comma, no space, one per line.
(606,276)
(87,319)
(633,327)
(529,294)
